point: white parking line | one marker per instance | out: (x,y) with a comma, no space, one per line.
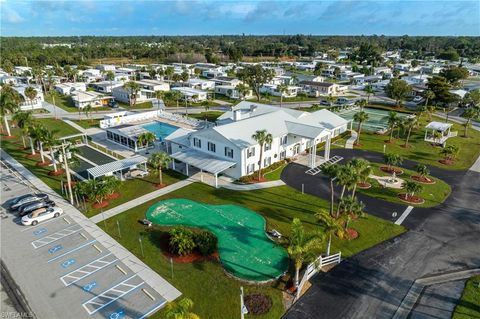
(71,251)
(56,236)
(407,211)
(88,269)
(27,228)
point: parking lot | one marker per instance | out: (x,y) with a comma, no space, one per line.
(64,272)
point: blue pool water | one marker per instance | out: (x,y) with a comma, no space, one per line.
(161,130)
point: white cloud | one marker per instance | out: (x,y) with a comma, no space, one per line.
(11,16)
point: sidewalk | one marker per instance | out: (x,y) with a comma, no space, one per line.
(74,125)
(210,180)
(160,285)
(351,140)
(140,200)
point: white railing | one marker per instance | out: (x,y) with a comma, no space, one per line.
(453,134)
(130,118)
(314,267)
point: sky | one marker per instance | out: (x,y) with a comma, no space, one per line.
(156,17)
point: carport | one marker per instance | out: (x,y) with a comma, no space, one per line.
(202,161)
(117,166)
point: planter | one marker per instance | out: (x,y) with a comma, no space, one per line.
(114,195)
(416,200)
(158,185)
(32,156)
(57,172)
(194,256)
(423,179)
(42,164)
(391,170)
(447,162)
(100,205)
(351,234)
(365,185)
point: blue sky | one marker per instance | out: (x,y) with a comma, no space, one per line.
(334,17)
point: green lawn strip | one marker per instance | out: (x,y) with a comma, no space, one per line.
(225,98)
(65,102)
(423,152)
(211,116)
(279,205)
(433,194)
(133,188)
(469,304)
(143,105)
(63,128)
(87,123)
(275,174)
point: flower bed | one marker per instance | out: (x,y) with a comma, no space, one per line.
(114,195)
(57,172)
(391,170)
(44,163)
(102,204)
(411,199)
(351,234)
(364,185)
(423,179)
(194,256)
(258,304)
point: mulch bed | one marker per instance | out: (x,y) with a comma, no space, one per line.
(258,304)
(423,179)
(365,185)
(114,195)
(357,144)
(411,199)
(446,162)
(45,163)
(405,146)
(351,234)
(8,137)
(72,184)
(57,172)
(32,156)
(195,256)
(100,205)
(389,142)
(391,170)
(158,185)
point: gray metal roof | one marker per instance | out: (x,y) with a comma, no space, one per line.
(102,170)
(203,161)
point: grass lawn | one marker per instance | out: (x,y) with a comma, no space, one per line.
(144,105)
(278,205)
(211,116)
(433,195)
(87,123)
(225,98)
(469,305)
(275,174)
(423,152)
(66,103)
(63,128)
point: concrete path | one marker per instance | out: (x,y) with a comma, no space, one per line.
(135,264)
(351,140)
(210,180)
(55,109)
(140,200)
(74,125)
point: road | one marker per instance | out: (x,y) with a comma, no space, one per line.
(373,283)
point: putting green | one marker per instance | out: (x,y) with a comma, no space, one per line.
(245,250)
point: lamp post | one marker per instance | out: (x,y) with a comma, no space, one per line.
(67,171)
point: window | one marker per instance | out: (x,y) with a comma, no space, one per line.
(228,152)
(267,161)
(197,142)
(268,147)
(283,155)
(250,168)
(211,147)
(283,140)
(109,135)
(251,152)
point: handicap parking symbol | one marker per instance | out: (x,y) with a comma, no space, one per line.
(90,286)
(54,249)
(67,263)
(39,231)
(117,315)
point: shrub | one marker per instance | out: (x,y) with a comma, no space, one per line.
(206,242)
(254,176)
(181,241)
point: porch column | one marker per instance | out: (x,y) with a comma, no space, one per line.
(425,138)
(145,166)
(216,180)
(173,164)
(135,146)
(186,168)
(327,148)
(201,176)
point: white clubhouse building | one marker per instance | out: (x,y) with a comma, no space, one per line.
(229,148)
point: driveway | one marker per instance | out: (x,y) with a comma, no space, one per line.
(373,283)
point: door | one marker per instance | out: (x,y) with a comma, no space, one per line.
(296,149)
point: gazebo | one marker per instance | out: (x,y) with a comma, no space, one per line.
(438,132)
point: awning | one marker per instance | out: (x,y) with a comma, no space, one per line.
(438,126)
(102,170)
(203,161)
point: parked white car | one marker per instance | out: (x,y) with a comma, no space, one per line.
(41,215)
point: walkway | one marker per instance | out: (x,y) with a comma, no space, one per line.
(225,182)
(351,140)
(74,125)
(164,288)
(54,109)
(140,200)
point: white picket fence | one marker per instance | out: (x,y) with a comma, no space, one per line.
(314,267)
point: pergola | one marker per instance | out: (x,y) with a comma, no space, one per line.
(202,161)
(117,166)
(443,128)
(68,137)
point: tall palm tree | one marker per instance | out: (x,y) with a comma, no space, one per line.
(331,171)
(111,184)
(158,161)
(242,90)
(145,139)
(176,96)
(428,95)
(471,113)
(412,188)
(110,76)
(53,95)
(302,247)
(50,140)
(87,109)
(360,117)
(330,227)
(410,124)
(346,177)
(450,152)
(362,169)
(24,121)
(132,89)
(361,103)
(392,159)
(31,94)
(9,104)
(262,137)
(370,91)
(159,95)
(282,88)
(180,310)
(392,123)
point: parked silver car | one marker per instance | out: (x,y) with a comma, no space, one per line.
(21,200)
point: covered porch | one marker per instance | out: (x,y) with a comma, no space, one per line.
(201,161)
(121,168)
(438,132)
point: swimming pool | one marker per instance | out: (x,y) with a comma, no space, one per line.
(160,129)
(377,119)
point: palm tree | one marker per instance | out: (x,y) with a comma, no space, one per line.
(94,189)
(412,188)
(159,95)
(50,140)
(132,89)
(282,88)
(24,121)
(9,104)
(158,161)
(421,109)
(410,123)
(111,183)
(422,170)
(350,205)
(31,94)
(242,90)
(180,309)
(54,94)
(362,169)
(330,227)
(346,176)
(176,95)
(110,76)
(361,103)
(35,133)
(392,122)
(470,113)
(87,109)
(370,91)
(145,139)
(303,246)
(331,171)
(450,152)
(430,110)
(428,95)
(392,159)
(262,137)
(360,117)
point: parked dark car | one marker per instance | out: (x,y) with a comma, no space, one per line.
(326,103)
(113,104)
(19,201)
(30,207)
